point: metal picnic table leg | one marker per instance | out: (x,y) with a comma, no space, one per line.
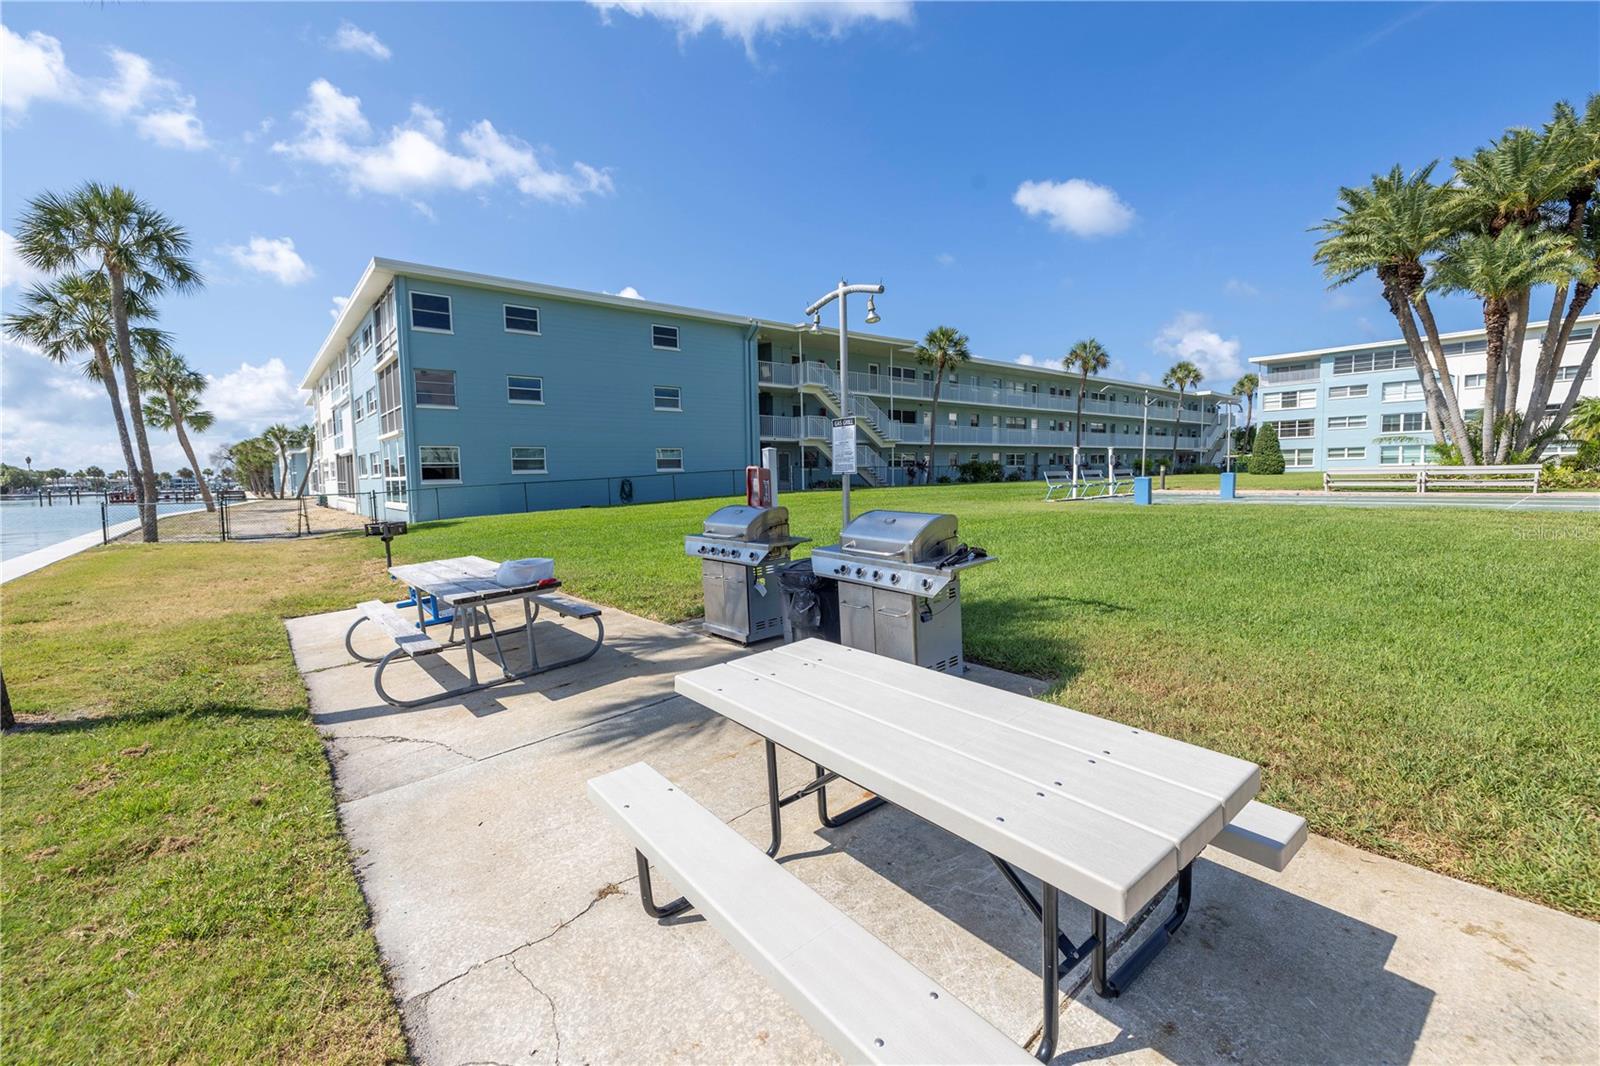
(1050,971)
(819,785)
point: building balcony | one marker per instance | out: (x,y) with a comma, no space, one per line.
(815,428)
(1289,377)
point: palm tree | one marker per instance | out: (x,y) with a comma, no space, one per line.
(306,437)
(1499,270)
(1245,388)
(108,229)
(71,315)
(176,403)
(944,346)
(1086,357)
(1585,421)
(282,438)
(1386,228)
(1183,375)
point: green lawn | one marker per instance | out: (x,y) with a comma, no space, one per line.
(1419,683)
(175,885)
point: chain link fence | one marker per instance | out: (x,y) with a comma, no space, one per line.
(255,519)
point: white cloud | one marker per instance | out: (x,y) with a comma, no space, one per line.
(1189,336)
(274,257)
(417,157)
(251,398)
(945,259)
(751,19)
(14,270)
(35,69)
(338,306)
(1236,287)
(1075,206)
(352,38)
(1027,360)
(627,292)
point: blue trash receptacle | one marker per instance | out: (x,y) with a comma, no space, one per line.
(1228,480)
(1141,490)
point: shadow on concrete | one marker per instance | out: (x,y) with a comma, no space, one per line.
(1254,972)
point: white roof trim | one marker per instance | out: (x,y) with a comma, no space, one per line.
(1534,328)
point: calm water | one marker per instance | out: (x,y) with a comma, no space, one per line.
(26,527)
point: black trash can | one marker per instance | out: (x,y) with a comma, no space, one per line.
(810,603)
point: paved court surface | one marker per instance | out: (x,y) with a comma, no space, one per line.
(1499,501)
(507,909)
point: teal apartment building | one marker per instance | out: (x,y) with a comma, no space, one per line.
(440,393)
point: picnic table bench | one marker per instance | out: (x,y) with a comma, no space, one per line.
(459,592)
(1107,813)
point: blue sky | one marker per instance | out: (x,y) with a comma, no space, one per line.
(1030,173)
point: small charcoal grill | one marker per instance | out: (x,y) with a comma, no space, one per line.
(899,586)
(739,548)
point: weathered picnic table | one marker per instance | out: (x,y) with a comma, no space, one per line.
(1107,813)
(459,592)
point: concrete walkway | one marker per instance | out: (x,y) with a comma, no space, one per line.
(507,909)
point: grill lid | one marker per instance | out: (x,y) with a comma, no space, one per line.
(741,522)
(908,536)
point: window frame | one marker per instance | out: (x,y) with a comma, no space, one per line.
(524,377)
(538,320)
(677,338)
(681,468)
(454,394)
(411,305)
(655,399)
(422,466)
(1360,455)
(544,459)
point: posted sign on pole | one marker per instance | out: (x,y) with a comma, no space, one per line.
(844,445)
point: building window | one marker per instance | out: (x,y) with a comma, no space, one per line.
(1368,362)
(1346,392)
(524,389)
(1299,457)
(1016,459)
(1304,427)
(1401,454)
(1347,422)
(1409,422)
(436,388)
(528,460)
(1570,373)
(1396,391)
(1347,453)
(1288,401)
(439,463)
(430,312)
(522,319)
(1474,381)
(669,460)
(357,410)
(668,398)
(372,400)
(664,337)
(389,398)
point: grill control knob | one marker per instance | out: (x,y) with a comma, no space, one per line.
(926,583)
(844,569)
(702,549)
(894,579)
(860,570)
(877,575)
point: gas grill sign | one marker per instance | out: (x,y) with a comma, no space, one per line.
(844,445)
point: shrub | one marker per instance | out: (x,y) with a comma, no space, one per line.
(1267,457)
(1561,476)
(1203,468)
(944,479)
(1014,475)
(979,470)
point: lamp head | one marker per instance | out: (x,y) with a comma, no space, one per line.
(816,322)
(872,311)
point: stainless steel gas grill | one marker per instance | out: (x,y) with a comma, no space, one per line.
(899,586)
(739,548)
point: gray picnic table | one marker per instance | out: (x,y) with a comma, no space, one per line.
(1088,807)
(458,592)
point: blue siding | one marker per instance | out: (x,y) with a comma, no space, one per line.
(597,423)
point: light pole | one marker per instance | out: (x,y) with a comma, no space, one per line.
(842,293)
(1230,404)
(1144,435)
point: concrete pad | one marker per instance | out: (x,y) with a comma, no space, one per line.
(507,909)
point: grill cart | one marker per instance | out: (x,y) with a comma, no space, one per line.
(899,586)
